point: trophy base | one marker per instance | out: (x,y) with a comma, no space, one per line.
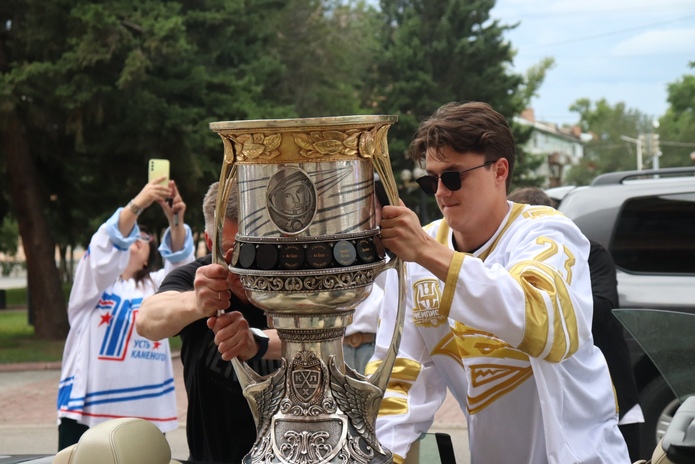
(314,409)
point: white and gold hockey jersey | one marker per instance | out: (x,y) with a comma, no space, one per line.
(509,333)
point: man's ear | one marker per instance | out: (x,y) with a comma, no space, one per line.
(208,241)
(502,170)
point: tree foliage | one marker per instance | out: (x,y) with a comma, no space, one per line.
(677,126)
(609,124)
(607,151)
(439,51)
(90,90)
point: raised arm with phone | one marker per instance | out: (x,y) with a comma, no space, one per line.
(107,365)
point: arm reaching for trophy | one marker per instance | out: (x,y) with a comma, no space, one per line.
(190,295)
(165,314)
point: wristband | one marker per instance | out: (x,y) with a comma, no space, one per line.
(135,209)
(263,341)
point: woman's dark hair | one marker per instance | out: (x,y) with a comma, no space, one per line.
(154,262)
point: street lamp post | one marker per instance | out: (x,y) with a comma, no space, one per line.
(637,142)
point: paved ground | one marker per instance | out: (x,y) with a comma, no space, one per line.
(28,421)
(28,397)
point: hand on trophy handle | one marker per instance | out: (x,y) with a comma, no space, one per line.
(211,290)
(233,336)
(402,233)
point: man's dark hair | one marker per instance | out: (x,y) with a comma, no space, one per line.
(472,127)
(531,196)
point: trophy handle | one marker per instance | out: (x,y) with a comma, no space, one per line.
(223,191)
(380,377)
(244,374)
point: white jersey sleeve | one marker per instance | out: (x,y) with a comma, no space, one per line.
(415,390)
(105,259)
(524,287)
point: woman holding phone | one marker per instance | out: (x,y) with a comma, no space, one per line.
(108,369)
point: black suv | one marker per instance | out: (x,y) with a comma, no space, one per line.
(646,219)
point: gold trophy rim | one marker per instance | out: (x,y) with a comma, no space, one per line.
(303,122)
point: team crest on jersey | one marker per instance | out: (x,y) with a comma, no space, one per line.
(427,298)
(120,325)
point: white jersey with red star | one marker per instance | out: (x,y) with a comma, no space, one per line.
(510,336)
(108,370)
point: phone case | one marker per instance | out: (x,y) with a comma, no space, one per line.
(158,168)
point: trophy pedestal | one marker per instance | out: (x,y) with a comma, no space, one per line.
(320,410)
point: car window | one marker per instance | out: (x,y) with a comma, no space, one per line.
(655,235)
(666,337)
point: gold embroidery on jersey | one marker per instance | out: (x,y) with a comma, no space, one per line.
(405,371)
(443,233)
(371,367)
(391,406)
(450,284)
(489,380)
(536,211)
(494,381)
(569,263)
(427,298)
(550,252)
(517,209)
(538,279)
(451,346)
(474,343)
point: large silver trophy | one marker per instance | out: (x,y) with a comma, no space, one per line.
(307,252)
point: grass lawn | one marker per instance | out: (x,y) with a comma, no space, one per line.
(17,341)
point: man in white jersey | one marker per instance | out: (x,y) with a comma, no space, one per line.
(499,310)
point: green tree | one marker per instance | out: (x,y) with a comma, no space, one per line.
(438,51)
(326,49)
(677,126)
(607,151)
(89,91)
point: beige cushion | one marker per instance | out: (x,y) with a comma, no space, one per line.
(119,441)
(659,455)
(64,456)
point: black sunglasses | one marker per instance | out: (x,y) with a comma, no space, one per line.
(450,179)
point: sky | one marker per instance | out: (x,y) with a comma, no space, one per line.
(619,50)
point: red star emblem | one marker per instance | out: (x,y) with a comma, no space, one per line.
(156,344)
(105,319)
